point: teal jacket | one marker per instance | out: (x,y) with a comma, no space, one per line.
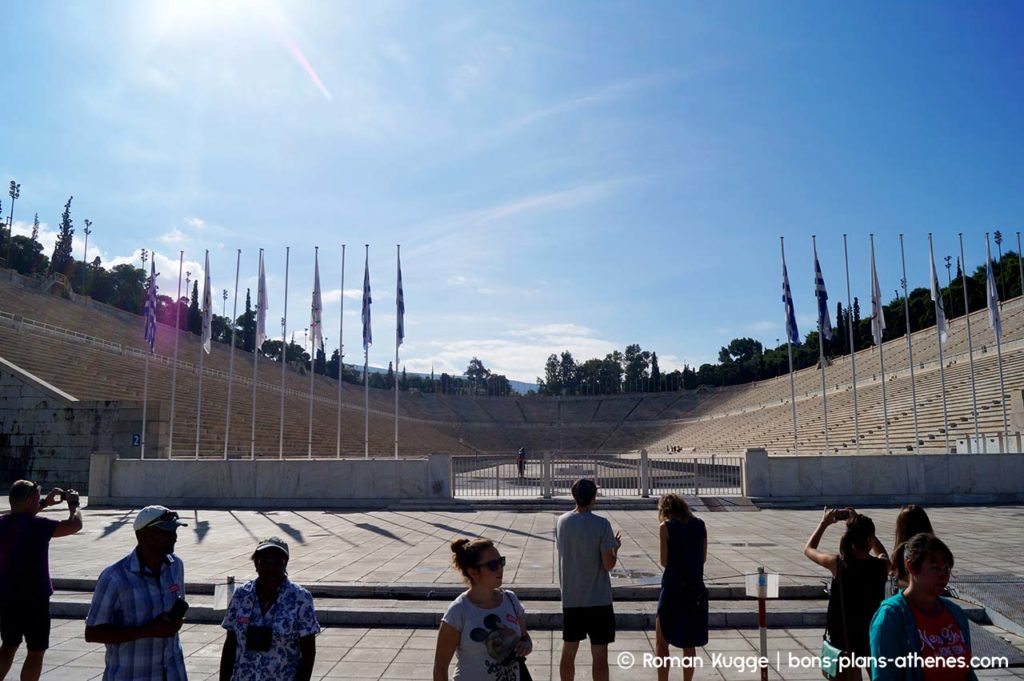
(894,634)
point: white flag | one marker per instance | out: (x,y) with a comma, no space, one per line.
(400,305)
(940,312)
(316,331)
(207,307)
(877,312)
(367,301)
(994,319)
(262,305)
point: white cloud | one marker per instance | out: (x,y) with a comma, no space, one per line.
(175,236)
(334,295)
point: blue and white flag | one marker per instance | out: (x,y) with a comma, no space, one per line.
(262,305)
(367,332)
(316,326)
(824,324)
(877,312)
(792,334)
(994,318)
(207,307)
(149,311)
(940,311)
(400,304)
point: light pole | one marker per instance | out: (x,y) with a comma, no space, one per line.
(949,278)
(999,274)
(14,192)
(85,252)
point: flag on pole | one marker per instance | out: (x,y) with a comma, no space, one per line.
(367,332)
(316,327)
(824,324)
(401,306)
(877,312)
(150,308)
(262,305)
(994,319)
(207,307)
(787,298)
(940,312)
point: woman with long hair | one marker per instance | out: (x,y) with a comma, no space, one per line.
(912,520)
(859,573)
(682,619)
(919,621)
(484,628)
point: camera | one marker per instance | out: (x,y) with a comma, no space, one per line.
(177,611)
(843,514)
(258,639)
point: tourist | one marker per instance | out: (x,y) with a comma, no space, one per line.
(587,552)
(859,572)
(484,628)
(271,624)
(682,619)
(521,461)
(139,603)
(25,586)
(920,611)
(911,520)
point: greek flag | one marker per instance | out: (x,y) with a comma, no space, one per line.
(367,332)
(207,307)
(994,319)
(940,312)
(262,305)
(400,304)
(824,324)
(792,334)
(316,331)
(149,312)
(877,312)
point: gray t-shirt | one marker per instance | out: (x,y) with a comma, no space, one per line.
(489,637)
(581,539)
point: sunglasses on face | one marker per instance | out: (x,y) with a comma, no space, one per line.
(493,565)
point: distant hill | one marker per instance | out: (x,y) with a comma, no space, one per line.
(521,387)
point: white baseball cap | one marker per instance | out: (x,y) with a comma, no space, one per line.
(159,517)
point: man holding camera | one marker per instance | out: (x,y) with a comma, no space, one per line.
(139,604)
(25,587)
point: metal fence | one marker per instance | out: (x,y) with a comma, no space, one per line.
(501,476)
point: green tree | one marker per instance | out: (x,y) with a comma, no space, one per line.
(195,315)
(61,259)
(635,365)
(655,373)
(247,324)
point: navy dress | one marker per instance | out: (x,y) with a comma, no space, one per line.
(683,603)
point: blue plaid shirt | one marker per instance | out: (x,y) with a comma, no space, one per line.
(128,595)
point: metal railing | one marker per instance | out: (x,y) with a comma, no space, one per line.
(552,474)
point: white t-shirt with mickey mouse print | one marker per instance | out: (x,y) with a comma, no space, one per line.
(489,637)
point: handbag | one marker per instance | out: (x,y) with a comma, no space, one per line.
(830,654)
(524,673)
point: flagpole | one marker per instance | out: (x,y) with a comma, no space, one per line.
(1020,265)
(341,348)
(174,366)
(145,398)
(231,360)
(260,311)
(910,347)
(877,321)
(398,312)
(366,358)
(202,354)
(994,319)
(821,342)
(938,336)
(970,341)
(853,350)
(312,348)
(145,370)
(284,352)
(787,302)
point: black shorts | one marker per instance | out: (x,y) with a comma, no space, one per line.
(25,619)
(596,623)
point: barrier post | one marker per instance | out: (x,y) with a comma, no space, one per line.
(645,475)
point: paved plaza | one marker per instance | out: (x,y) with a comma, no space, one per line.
(412,548)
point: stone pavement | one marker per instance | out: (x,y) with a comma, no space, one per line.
(361,653)
(412,547)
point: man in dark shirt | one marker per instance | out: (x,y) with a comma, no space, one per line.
(25,587)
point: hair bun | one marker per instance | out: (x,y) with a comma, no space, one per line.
(459,545)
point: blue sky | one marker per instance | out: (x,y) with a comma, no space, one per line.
(572,175)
